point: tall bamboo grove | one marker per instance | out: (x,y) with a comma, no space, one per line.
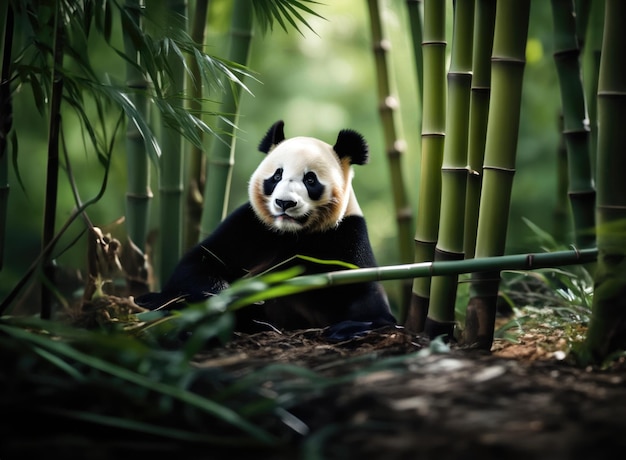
(507,70)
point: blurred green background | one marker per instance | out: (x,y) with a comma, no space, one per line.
(318,83)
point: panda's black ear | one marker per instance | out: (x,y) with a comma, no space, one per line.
(274,136)
(352,145)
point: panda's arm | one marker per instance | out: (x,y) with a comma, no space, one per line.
(240,242)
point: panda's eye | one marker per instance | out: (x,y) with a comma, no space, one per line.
(310,178)
(270,183)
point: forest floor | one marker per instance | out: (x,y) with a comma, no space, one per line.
(393,395)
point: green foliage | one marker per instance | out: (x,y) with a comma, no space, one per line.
(283,12)
(559,297)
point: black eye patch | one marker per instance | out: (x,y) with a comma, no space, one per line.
(313,186)
(270,183)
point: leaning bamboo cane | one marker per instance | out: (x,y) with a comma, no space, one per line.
(172,160)
(440,318)
(575,123)
(394,147)
(509,46)
(433,136)
(260,291)
(220,158)
(138,193)
(607,329)
(484,22)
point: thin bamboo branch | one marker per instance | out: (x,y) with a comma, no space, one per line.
(394,147)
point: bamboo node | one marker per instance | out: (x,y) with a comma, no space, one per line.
(139,197)
(500,168)
(570,52)
(389,103)
(404,213)
(575,249)
(508,60)
(382,45)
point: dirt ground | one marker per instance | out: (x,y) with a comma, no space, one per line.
(393,395)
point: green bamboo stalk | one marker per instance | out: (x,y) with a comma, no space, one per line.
(138,194)
(484,23)
(394,147)
(433,136)
(509,46)
(591,69)
(415,21)
(171,162)
(220,159)
(423,269)
(197,165)
(561,209)
(607,328)
(6,118)
(575,123)
(52,168)
(454,172)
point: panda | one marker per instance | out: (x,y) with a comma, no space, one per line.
(301,203)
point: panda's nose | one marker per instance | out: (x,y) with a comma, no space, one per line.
(285,204)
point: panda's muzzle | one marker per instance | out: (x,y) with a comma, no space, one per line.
(285,204)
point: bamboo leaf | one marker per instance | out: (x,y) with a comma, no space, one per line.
(283,12)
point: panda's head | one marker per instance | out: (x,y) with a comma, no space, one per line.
(304,184)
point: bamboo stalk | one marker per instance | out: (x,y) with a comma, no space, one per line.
(591,69)
(433,137)
(509,46)
(6,120)
(575,122)
(171,187)
(197,164)
(607,328)
(52,167)
(484,23)
(440,318)
(415,21)
(138,193)
(221,158)
(394,147)
(427,269)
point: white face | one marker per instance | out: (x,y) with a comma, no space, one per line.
(301,185)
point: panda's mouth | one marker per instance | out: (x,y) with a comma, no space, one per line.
(286,218)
